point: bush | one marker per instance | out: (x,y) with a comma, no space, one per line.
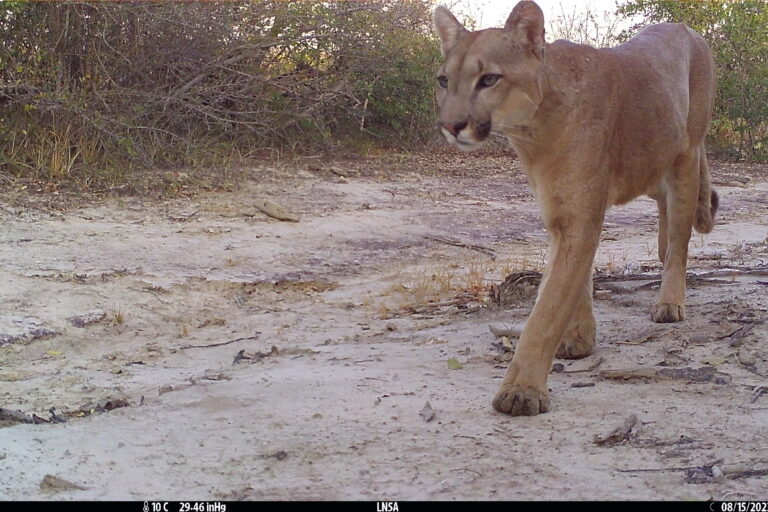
(738,36)
(95,89)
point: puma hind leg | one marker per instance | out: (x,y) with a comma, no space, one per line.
(678,208)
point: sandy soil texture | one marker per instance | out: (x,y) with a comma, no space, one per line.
(198,349)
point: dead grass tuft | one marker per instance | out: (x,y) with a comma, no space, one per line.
(470,278)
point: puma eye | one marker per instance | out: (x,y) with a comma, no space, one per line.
(488,80)
(443,81)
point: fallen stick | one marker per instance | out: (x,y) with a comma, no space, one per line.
(451,302)
(185,216)
(730,184)
(663,470)
(17,416)
(456,243)
(736,271)
(630,374)
(593,367)
(275,210)
(222,343)
(748,473)
(701,374)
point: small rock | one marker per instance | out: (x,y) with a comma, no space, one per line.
(214,375)
(14,329)
(427,413)
(87,318)
(734,468)
(53,484)
(699,475)
(746,358)
(699,339)
(714,360)
(619,434)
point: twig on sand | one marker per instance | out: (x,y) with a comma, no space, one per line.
(700,374)
(255,337)
(17,416)
(456,243)
(759,390)
(738,493)
(664,470)
(748,473)
(700,277)
(593,367)
(708,472)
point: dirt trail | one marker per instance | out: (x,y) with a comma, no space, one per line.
(198,349)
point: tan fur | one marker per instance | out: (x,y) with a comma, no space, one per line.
(592,128)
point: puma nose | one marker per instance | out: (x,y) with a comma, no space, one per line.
(454,128)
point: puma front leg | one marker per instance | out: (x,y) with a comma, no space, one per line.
(574,241)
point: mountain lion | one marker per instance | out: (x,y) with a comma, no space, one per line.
(592,128)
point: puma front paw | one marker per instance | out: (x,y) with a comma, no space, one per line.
(521,401)
(664,313)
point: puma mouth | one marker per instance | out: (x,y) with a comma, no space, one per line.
(468,146)
(464,142)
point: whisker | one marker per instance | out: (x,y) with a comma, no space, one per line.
(521,138)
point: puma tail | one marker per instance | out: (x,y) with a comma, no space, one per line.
(708,199)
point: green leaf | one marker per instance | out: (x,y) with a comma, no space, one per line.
(453,364)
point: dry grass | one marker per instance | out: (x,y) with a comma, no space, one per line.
(117,316)
(469,277)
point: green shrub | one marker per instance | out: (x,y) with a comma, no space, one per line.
(92,90)
(737,33)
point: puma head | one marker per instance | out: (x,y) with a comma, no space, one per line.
(490,80)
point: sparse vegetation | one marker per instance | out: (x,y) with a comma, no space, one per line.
(584,26)
(189,92)
(738,35)
(117,316)
(470,278)
(91,92)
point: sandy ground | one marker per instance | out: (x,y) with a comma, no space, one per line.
(197,349)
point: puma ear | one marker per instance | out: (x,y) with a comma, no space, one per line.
(448,28)
(527,24)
